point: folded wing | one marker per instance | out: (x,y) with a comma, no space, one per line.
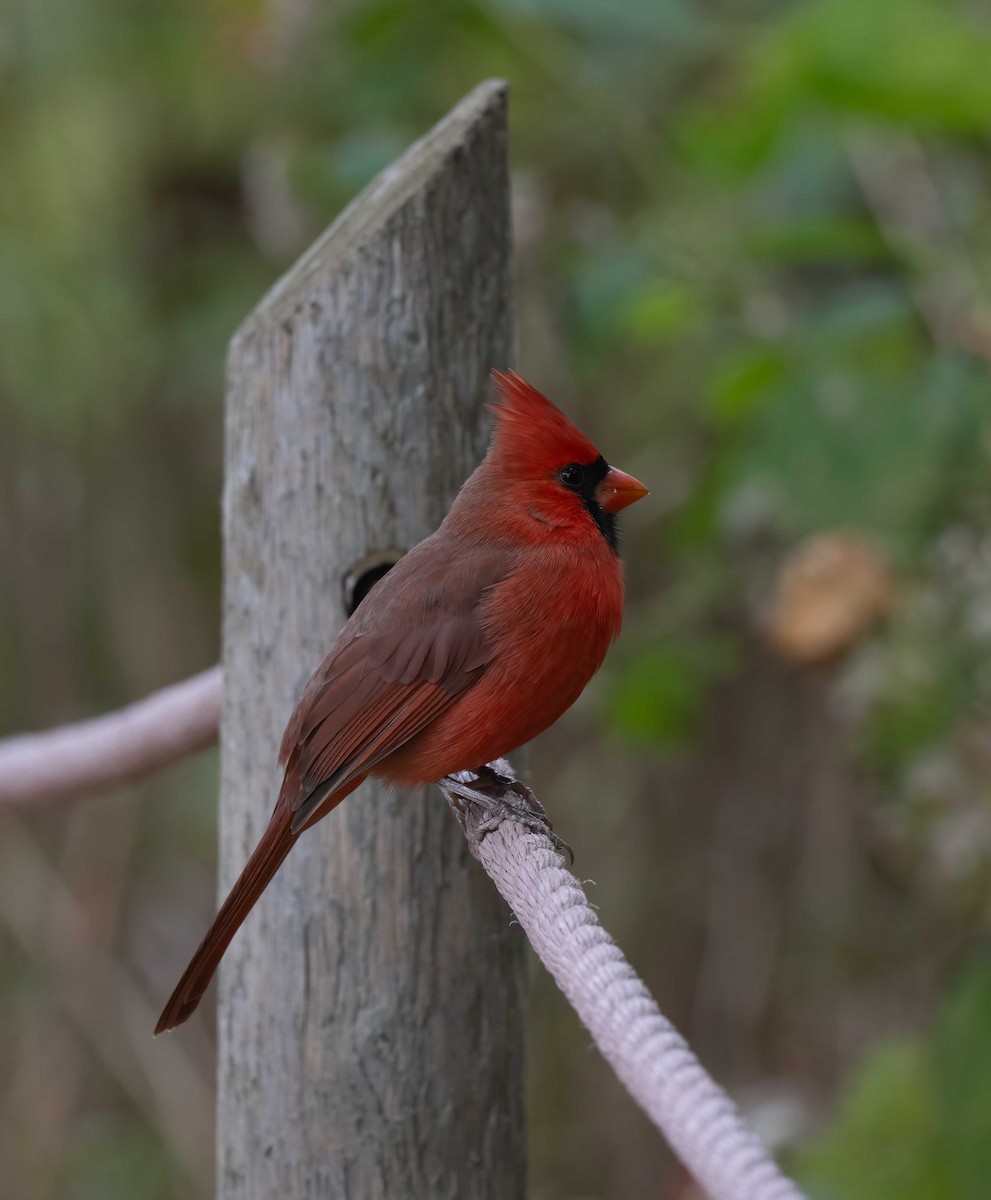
(396,668)
(376,694)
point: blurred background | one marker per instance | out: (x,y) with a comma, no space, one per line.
(753,257)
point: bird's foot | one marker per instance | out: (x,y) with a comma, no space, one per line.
(487,798)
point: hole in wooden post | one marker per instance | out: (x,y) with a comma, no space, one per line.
(363,576)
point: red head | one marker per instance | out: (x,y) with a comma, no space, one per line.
(556,478)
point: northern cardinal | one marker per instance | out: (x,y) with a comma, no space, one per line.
(476,640)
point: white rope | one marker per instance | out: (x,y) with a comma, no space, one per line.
(644,1049)
(648,1054)
(93,756)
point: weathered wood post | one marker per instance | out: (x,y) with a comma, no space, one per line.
(370,1010)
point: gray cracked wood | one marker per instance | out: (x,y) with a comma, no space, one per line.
(370,1028)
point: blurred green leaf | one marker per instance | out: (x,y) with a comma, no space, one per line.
(962,1053)
(743,382)
(605,284)
(836,448)
(818,240)
(914,1122)
(658,696)
(882,1141)
(911,60)
(611,19)
(663,309)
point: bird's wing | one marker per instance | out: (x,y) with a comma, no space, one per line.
(418,642)
(414,645)
(379,692)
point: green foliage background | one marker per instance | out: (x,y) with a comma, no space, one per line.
(754,250)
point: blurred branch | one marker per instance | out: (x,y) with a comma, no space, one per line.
(911,214)
(649,1056)
(96,756)
(169,1090)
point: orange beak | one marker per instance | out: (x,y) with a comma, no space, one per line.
(617,490)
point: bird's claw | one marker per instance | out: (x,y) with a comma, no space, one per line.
(500,798)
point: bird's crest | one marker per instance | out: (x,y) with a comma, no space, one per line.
(531,430)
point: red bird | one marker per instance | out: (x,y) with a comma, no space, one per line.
(476,641)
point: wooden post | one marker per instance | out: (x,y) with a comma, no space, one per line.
(370,1030)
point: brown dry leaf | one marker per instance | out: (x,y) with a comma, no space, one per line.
(830,593)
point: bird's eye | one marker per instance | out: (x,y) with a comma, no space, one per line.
(571,476)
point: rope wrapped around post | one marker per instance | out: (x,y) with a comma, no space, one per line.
(650,1057)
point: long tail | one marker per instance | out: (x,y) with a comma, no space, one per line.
(266,858)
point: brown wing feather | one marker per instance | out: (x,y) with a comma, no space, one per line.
(375,705)
(396,667)
(413,647)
